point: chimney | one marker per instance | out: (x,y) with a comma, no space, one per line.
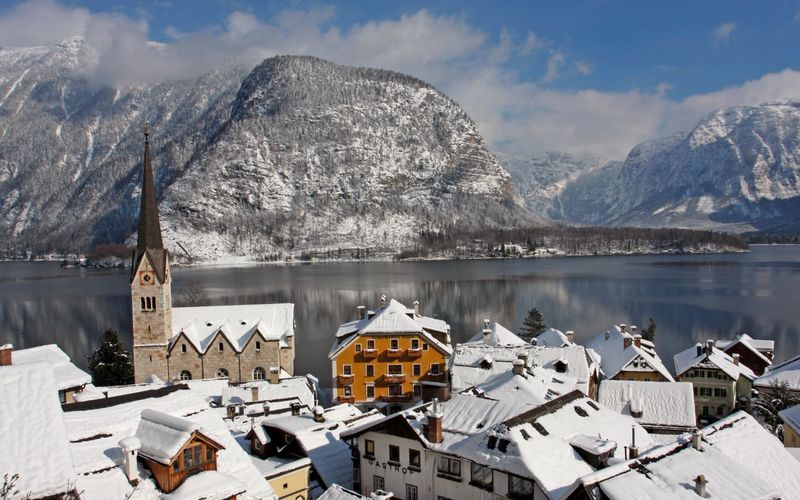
(295,409)
(634,329)
(416,308)
(633,450)
(699,350)
(319,414)
(696,435)
(130,451)
(381,495)
(231,408)
(571,336)
(626,342)
(240,409)
(383,300)
(5,354)
(274,375)
(362,312)
(254,394)
(700,486)
(433,429)
(266,408)
(519,367)
(487,336)
(523,356)
(709,346)
(735,358)
(637,340)
(622,327)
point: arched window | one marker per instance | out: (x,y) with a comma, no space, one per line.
(186,375)
(222,373)
(183,348)
(258,345)
(259,374)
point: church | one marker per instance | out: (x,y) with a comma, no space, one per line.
(240,342)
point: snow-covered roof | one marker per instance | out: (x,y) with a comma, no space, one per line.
(237,324)
(615,357)
(553,338)
(498,336)
(279,396)
(663,404)
(690,358)
(758,345)
(32,433)
(791,417)
(321,440)
(336,492)
(67,375)
(163,435)
(94,436)
(207,485)
(393,318)
(788,371)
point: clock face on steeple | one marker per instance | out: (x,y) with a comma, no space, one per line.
(147,278)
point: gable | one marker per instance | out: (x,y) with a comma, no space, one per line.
(256,335)
(177,340)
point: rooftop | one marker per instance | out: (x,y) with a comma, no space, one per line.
(667,404)
(791,417)
(615,357)
(66,374)
(498,336)
(788,371)
(690,358)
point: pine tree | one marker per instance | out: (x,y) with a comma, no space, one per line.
(533,325)
(649,333)
(111,364)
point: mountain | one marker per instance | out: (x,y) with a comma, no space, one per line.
(737,170)
(297,154)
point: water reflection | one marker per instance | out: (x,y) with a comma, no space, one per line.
(690,297)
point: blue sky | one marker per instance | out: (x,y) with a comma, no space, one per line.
(594,75)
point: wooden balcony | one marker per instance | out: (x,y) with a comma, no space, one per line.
(394,353)
(397,398)
(369,353)
(438,377)
(414,353)
(394,378)
(345,399)
(345,379)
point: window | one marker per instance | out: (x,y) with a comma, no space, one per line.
(143,305)
(416,370)
(154,303)
(220,346)
(395,369)
(370,391)
(394,453)
(705,391)
(62,396)
(394,344)
(720,393)
(411,492)
(186,375)
(183,348)
(222,373)
(413,458)
(434,368)
(519,487)
(396,390)
(417,390)
(347,369)
(192,457)
(370,370)
(348,391)
(481,476)
(720,410)
(377,483)
(358,347)
(258,345)
(176,465)
(450,466)
(210,454)
(694,388)
(415,344)
(371,345)
(369,448)
(424,346)
(259,373)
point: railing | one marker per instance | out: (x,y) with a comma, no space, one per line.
(346,399)
(397,398)
(394,378)
(414,353)
(345,379)
(436,377)
(369,353)
(394,353)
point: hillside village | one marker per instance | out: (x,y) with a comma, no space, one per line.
(218,412)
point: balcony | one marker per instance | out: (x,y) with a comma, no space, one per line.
(397,398)
(394,378)
(369,353)
(345,379)
(345,399)
(394,353)
(414,353)
(437,377)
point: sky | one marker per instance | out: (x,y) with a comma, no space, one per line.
(594,76)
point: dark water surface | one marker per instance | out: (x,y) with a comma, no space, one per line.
(690,297)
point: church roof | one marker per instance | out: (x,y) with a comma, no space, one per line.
(149,241)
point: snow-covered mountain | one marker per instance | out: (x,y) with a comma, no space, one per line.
(738,169)
(297,154)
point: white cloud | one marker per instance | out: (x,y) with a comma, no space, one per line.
(516,114)
(723,32)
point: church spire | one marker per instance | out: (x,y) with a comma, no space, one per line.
(149,226)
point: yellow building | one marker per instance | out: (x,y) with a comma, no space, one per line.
(392,355)
(791,426)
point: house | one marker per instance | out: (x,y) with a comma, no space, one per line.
(625,355)
(70,380)
(495,335)
(791,426)
(734,458)
(477,447)
(662,408)
(390,356)
(721,383)
(756,354)
(240,342)
(113,442)
(555,338)
(32,434)
(787,372)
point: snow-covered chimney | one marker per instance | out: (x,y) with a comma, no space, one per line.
(383,300)
(623,327)
(130,451)
(735,358)
(487,336)
(709,346)
(266,408)
(416,308)
(254,393)
(696,435)
(518,367)
(634,329)
(274,375)
(295,409)
(5,354)
(433,428)
(381,495)
(700,485)
(637,340)
(523,356)
(362,312)
(571,336)
(319,414)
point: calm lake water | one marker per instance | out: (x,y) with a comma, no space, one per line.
(690,297)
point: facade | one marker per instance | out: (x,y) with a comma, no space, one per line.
(392,355)
(721,383)
(791,426)
(624,355)
(236,342)
(291,481)
(756,354)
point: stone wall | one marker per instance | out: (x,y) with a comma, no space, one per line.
(265,358)
(190,360)
(227,358)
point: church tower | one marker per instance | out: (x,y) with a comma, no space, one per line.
(151,285)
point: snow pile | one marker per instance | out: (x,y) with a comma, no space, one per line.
(162,435)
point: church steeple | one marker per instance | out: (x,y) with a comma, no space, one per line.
(149,226)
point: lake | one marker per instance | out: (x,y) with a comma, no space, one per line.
(691,297)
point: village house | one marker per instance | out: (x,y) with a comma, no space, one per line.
(478,447)
(662,408)
(391,357)
(555,338)
(732,459)
(791,426)
(787,373)
(625,355)
(240,342)
(70,380)
(756,354)
(721,383)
